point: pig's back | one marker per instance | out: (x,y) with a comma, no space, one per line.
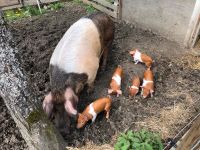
(79,49)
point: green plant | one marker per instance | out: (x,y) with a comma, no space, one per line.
(13,14)
(140,140)
(56,6)
(31,11)
(90,9)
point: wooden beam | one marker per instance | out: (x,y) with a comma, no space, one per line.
(191,138)
(106,4)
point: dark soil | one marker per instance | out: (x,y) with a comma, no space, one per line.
(37,37)
(10,137)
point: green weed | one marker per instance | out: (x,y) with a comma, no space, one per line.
(55,6)
(30,11)
(90,9)
(141,140)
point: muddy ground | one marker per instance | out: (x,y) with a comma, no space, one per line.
(177,89)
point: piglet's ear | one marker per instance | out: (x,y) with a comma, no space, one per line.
(48,104)
(85,118)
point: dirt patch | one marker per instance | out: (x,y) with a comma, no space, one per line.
(37,37)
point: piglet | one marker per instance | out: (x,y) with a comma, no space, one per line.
(148,84)
(92,110)
(140,57)
(134,88)
(115,85)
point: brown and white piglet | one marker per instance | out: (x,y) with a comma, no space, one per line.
(75,61)
(148,84)
(134,88)
(92,110)
(115,85)
(140,57)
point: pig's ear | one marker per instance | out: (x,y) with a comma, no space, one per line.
(48,104)
(70,108)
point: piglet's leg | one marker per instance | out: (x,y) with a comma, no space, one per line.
(136,62)
(119,92)
(94,117)
(107,109)
(110,91)
(151,92)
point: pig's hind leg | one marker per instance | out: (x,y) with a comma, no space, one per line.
(91,83)
(108,37)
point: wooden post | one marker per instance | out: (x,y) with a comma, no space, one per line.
(118,4)
(25,109)
(194,27)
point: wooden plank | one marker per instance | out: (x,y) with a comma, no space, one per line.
(107,4)
(27,3)
(12,7)
(4,3)
(34,2)
(192,32)
(191,138)
(101,8)
(119,11)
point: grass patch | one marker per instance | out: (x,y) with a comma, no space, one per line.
(168,121)
(92,146)
(89,8)
(191,61)
(55,6)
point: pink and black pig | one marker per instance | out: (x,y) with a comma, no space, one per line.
(74,64)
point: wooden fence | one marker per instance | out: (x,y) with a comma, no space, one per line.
(9,4)
(191,140)
(112,8)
